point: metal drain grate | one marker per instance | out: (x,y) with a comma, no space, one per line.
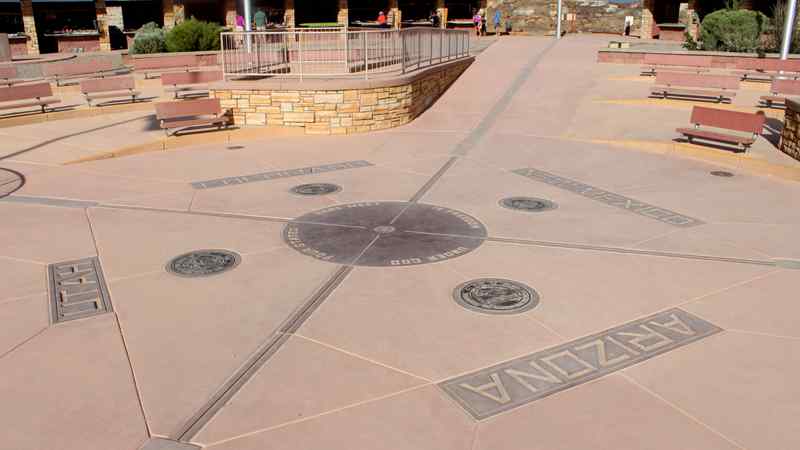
(496,296)
(77,290)
(203,263)
(527,204)
(721,173)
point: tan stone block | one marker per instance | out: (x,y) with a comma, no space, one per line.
(287,107)
(346,121)
(228,103)
(368,99)
(269,109)
(328,98)
(349,96)
(362,115)
(243,103)
(325,115)
(260,99)
(339,130)
(285,96)
(221,94)
(347,107)
(301,117)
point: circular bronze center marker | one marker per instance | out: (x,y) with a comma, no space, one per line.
(203,263)
(385,234)
(496,296)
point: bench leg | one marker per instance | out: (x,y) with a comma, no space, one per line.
(689,138)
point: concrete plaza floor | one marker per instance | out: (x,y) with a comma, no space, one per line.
(661,312)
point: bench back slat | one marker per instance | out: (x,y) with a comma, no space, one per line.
(730,120)
(697,80)
(188,108)
(769,64)
(25,92)
(785,87)
(8,72)
(658,59)
(77,68)
(198,77)
(166,62)
(107,84)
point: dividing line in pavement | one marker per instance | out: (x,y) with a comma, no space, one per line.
(197,421)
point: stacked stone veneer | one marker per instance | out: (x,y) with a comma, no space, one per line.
(790,136)
(378,105)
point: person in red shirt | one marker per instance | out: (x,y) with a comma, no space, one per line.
(381,19)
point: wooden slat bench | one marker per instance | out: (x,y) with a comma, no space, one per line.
(765,69)
(654,62)
(692,86)
(70,71)
(190,84)
(164,64)
(25,95)
(716,125)
(191,113)
(112,88)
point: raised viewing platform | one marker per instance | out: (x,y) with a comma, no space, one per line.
(335,81)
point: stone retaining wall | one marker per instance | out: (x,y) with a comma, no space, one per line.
(337,106)
(790,136)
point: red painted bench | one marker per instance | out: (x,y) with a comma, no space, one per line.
(781,89)
(691,86)
(25,95)
(715,125)
(163,64)
(654,62)
(190,84)
(112,88)
(765,69)
(9,76)
(95,68)
(191,113)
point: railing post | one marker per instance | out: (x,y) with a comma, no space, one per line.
(441,46)
(402,52)
(300,53)
(366,56)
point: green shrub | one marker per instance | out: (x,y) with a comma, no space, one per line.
(689,43)
(149,39)
(733,30)
(193,35)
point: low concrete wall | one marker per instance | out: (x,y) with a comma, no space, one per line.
(207,58)
(337,106)
(790,136)
(720,60)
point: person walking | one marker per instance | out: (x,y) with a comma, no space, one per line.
(260,19)
(498,16)
(476,21)
(239,22)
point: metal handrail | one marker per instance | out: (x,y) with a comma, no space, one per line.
(338,53)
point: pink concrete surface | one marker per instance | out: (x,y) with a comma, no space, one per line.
(350,357)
